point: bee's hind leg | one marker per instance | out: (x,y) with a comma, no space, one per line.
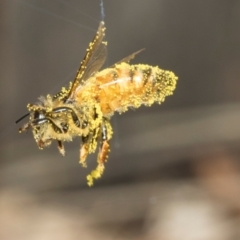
(106,134)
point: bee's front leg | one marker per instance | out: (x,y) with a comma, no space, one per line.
(104,149)
(61,148)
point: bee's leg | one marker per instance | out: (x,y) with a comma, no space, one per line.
(25,127)
(89,144)
(61,148)
(84,150)
(104,149)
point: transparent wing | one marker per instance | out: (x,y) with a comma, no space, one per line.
(93,60)
(128,58)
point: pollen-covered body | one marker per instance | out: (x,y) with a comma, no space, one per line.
(85,108)
(124,85)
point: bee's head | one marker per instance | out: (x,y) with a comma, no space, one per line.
(49,123)
(40,124)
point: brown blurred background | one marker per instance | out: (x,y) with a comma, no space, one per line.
(173,171)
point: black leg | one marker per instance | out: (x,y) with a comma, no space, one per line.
(61,147)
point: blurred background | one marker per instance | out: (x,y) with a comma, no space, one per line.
(173,171)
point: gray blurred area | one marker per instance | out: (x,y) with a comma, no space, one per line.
(173,172)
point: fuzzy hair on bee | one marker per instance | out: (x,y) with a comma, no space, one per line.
(84,108)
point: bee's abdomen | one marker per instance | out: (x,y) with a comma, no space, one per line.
(133,85)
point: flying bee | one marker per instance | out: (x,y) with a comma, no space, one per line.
(84,108)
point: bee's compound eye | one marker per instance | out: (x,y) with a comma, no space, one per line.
(38,118)
(38,115)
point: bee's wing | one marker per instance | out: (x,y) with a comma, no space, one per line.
(128,58)
(93,60)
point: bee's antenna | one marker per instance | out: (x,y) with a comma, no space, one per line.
(21,118)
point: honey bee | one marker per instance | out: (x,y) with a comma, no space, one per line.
(84,108)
